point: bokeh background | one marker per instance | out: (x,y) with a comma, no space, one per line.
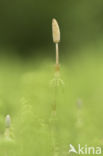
(27,66)
(26,25)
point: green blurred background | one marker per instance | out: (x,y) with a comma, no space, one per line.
(26,25)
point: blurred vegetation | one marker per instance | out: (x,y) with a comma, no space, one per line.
(27,96)
(26,25)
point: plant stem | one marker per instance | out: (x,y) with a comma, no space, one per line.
(57,54)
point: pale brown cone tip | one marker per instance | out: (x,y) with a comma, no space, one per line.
(55,31)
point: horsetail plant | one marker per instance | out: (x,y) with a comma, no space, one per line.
(79,112)
(56,81)
(56,39)
(7,126)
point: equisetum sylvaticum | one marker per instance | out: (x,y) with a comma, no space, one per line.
(79,112)
(56,81)
(7,126)
(56,39)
